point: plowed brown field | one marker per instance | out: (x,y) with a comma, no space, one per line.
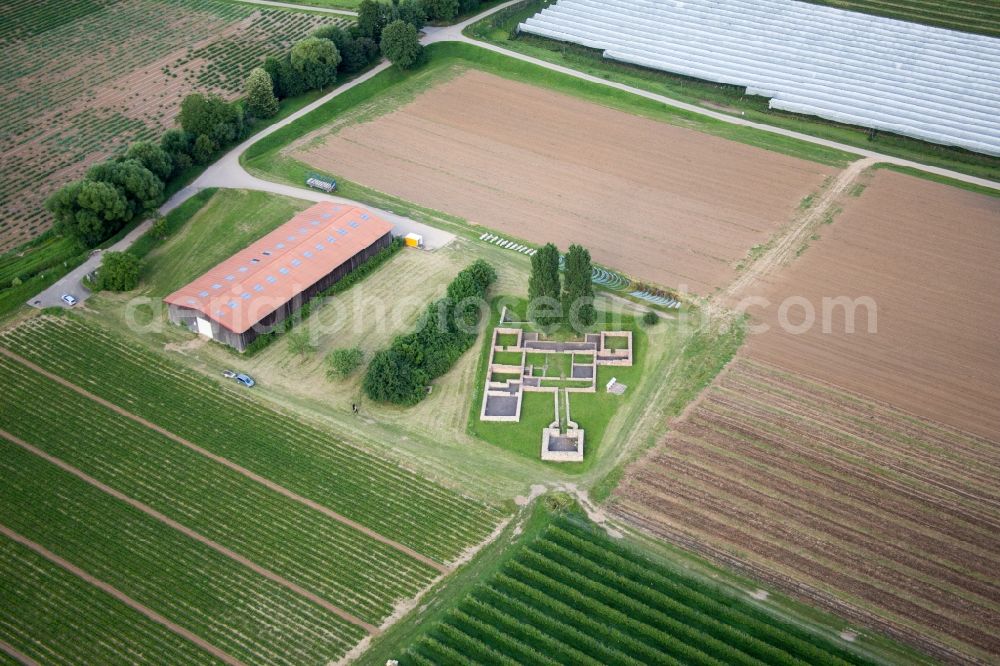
(929,257)
(838,498)
(662,203)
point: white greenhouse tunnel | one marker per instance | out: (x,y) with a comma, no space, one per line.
(929,83)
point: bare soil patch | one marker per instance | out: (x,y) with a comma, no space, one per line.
(118,75)
(666,204)
(886,519)
(928,256)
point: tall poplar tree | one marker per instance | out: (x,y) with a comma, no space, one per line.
(543,286)
(578,289)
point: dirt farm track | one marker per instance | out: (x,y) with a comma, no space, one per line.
(671,205)
(928,256)
(859,470)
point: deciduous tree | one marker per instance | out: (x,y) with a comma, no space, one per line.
(89,211)
(401,45)
(316,61)
(119,271)
(153,157)
(373,17)
(261,102)
(441,10)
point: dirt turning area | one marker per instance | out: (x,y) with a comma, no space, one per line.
(928,257)
(662,203)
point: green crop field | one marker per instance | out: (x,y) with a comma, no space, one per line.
(230,422)
(575,596)
(52,616)
(981,16)
(250,617)
(342,565)
(86,78)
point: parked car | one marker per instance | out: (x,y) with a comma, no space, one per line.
(70,299)
(246,380)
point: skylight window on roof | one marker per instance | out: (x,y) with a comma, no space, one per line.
(230,278)
(326,216)
(232,304)
(242,269)
(216,286)
(342,232)
(364,216)
(191,301)
(266,253)
(220,313)
(353,225)
(336,207)
(271,279)
(203,293)
(319,246)
(331,239)
(255,260)
(258,287)
(296,262)
(303,230)
(315,223)
(283,271)
(291,239)
(280,246)
(245,295)
(307,254)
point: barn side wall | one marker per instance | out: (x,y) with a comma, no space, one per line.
(187,316)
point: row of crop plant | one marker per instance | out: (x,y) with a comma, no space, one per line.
(337,562)
(250,617)
(394,502)
(574,595)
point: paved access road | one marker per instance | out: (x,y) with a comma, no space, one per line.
(228,172)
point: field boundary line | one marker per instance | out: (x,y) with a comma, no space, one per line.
(797,231)
(641,521)
(271,485)
(188,532)
(120,596)
(12,651)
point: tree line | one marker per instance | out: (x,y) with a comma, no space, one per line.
(132,184)
(401,373)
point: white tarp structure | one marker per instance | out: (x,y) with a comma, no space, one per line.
(938,85)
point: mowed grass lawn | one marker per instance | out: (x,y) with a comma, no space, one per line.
(591,411)
(231,220)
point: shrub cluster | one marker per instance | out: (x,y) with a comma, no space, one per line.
(341,363)
(119,271)
(448,328)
